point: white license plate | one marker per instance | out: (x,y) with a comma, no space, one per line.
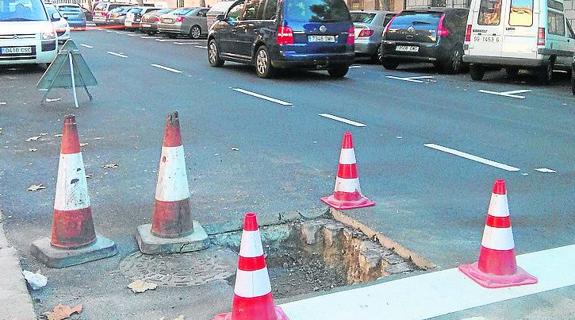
(146,25)
(321,38)
(492,39)
(407,48)
(17,50)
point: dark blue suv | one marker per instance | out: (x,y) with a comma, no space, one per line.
(272,34)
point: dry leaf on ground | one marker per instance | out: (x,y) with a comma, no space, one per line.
(110,166)
(140,286)
(59,135)
(43,134)
(235,149)
(53,100)
(83,144)
(61,312)
(34,138)
(32,149)
(36,187)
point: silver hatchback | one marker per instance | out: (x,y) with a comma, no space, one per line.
(191,22)
(369,26)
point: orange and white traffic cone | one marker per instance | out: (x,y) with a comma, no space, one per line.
(497,267)
(172,229)
(347,193)
(73,240)
(253,298)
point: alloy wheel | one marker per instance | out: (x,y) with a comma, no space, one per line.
(212,52)
(262,62)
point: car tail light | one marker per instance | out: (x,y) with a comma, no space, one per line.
(442,31)
(364,33)
(468,33)
(156,19)
(351,36)
(179,19)
(388,25)
(541,37)
(285,35)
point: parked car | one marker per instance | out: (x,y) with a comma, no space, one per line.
(117,16)
(573,75)
(517,35)
(26,34)
(433,35)
(133,19)
(271,34)
(216,10)
(102,11)
(73,14)
(60,24)
(184,21)
(150,20)
(369,26)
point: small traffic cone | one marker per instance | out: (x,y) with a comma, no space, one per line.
(73,240)
(172,229)
(497,267)
(253,298)
(347,193)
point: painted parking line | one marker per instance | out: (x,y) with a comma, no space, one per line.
(344,120)
(545,170)
(166,68)
(509,94)
(117,54)
(435,294)
(201,47)
(472,157)
(354,67)
(417,79)
(165,40)
(133,35)
(150,37)
(86,46)
(261,96)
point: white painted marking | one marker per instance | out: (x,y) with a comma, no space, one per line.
(184,43)
(117,54)
(347,156)
(545,170)
(132,35)
(165,40)
(71,187)
(172,177)
(250,284)
(344,120)
(109,31)
(354,67)
(166,68)
(201,47)
(498,238)
(509,94)
(436,293)
(150,37)
(472,157)
(251,244)
(347,185)
(86,46)
(411,79)
(261,96)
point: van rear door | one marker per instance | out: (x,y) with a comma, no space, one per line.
(520,35)
(487,28)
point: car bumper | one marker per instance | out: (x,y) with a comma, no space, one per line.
(502,61)
(148,26)
(428,52)
(163,28)
(132,24)
(313,61)
(366,48)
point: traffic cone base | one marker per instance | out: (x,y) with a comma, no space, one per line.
(486,280)
(279,315)
(347,204)
(149,243)
(54,257)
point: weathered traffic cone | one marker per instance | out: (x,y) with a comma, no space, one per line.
(74,240)
(497,267)
(347,193)
(253,298)
(172,229)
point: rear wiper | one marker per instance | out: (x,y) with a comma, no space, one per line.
(419,22)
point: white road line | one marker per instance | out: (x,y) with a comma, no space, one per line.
(86,46)
(509,94)
(472,157)
(132,35)
(201,47)
(149,37)
(165,40)
(165,68)
(183,43)
(435,294)
(545,170)
(261,96)
(411,79)
(354,66)
(340,119)
(117,54)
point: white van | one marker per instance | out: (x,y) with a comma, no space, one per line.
(518,34)
(217,9)
(26,34)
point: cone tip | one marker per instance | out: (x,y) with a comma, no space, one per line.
(172,135)
(347,142)
(250,222)
(499,187)
(70,118)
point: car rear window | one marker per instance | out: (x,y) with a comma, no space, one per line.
(521,13)
(135,10)
(316,11)
(69,8)
(100,6)
(362,17)
(181,11)
(22,10)
(420,20)
(489,13)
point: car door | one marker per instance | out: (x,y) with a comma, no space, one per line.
(487,28)
(521,22)
(248,27)
(225,29)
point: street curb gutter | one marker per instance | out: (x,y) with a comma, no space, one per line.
(14,297)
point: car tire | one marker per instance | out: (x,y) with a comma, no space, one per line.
(512,72)
(377,56)
(338,71)
(390,64)
(195,32)
(214,54)
(263,63)
(477,72)
(150,33)
(545,73)
(454,63)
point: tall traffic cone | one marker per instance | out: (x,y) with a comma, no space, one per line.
(347,193)
(497,267)
(73,240)
(253,298)
(172,229)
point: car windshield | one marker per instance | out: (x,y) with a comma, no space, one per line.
(362,17)
(316,11)
(413,18)
(69,9)
(22,10)
(135,10)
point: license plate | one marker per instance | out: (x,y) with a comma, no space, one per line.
(407,48)
(167,20)
(321,38)
(17,50)
(147,25)
(491,39)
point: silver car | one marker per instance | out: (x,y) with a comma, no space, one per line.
(369,26)
(191,22)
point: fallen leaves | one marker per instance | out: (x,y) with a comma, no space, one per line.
(59,135)
(32,149)
(61,312)
(110,166)
(36,187)
(53,100)
(83,144)
(235,149)
(34,138)
(140,286)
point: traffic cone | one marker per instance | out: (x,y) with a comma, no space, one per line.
(347,193)
(73,240)
(253,298)
(172,229)
(497,267)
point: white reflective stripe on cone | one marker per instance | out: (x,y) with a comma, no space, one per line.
(347,185)
(250,284)
(71,187)
(498,206)
(498,238)
(251,245)
(172,178)
(347,156)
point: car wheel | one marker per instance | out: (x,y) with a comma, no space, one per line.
(338,71)
(377,56)
(453,64)
(512,72)
(214,54)
(195,32)
(264,68)
(150,33)
(390,64)
(477,72)
(545,74)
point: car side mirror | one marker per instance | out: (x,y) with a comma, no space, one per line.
(55,16)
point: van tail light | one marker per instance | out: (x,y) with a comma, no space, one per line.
(351,36)
(442,31)
(541,37)
(285,35)
(156,19)
(468,33)
(388,25)
(179,19)
(364,33)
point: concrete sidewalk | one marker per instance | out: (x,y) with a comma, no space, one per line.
(14,298)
